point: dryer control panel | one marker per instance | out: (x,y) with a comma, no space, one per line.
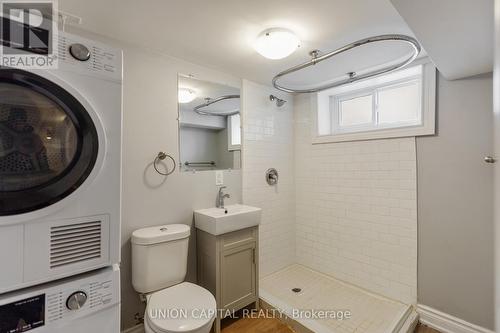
(59,303)
(89,57)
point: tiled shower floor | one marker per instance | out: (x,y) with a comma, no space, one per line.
(369,312)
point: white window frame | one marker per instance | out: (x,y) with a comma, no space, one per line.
(329,99)
(230,146)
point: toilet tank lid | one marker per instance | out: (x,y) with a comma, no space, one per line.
(160,234)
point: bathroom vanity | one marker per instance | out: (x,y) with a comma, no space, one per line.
(227,259)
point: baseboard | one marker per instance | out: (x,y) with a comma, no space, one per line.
(135,329)
(447,323)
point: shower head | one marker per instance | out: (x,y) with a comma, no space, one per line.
(279,102)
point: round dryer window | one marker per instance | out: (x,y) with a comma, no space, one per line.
(48,142)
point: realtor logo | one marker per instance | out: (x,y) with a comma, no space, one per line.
(28,33)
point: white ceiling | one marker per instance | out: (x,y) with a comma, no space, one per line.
(457,34)
(219,33)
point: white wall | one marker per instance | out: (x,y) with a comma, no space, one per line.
(206,145)
(455,205)
(496,140)
(150,125)
(356,209)
(268,143)
(199,145)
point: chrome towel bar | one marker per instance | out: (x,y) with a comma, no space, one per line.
(211,163)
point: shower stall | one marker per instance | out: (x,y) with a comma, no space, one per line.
(326,229)
(339,228)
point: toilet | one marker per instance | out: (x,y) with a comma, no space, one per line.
(159,265)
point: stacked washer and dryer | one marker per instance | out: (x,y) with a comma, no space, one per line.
(60,184)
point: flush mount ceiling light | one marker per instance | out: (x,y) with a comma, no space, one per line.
(276,43)
(186,95)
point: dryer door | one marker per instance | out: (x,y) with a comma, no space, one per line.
(48,142)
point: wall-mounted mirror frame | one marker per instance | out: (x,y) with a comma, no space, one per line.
(209,124)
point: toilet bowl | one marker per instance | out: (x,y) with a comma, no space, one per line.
(159,264)
(185,307)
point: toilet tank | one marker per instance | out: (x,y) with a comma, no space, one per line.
(159,257)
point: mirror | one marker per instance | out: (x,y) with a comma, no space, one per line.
(209,125)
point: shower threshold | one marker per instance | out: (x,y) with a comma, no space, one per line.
(314,302)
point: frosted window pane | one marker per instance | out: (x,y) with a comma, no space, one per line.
(399,104)
(356,111)
(235,130)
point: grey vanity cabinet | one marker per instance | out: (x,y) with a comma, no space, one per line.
(227,265)
(238,277)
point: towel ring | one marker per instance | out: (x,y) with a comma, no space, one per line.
(161,156)
(351,76)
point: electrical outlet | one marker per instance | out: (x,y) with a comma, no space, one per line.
(219,177)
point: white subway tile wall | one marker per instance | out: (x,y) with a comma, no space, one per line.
(356,209)
(268,143)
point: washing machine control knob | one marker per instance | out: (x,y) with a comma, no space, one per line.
(76,300)
(79,52)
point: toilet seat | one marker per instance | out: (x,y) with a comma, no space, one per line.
(185,307)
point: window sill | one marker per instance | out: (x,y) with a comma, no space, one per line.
(375,135)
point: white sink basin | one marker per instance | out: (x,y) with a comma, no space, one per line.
(218,221)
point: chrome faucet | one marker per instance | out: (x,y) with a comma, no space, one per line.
(220,197)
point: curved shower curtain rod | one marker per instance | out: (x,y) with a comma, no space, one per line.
(316,58)
(210,101)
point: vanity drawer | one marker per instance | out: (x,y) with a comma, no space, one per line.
(239,237)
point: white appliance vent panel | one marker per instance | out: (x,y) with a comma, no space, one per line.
(74,243)
(56,249)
